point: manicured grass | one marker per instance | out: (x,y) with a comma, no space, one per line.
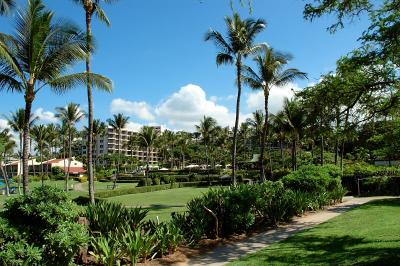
(368,235)
(55,183)
(161,203)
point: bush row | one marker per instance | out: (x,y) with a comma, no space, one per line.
(225,211)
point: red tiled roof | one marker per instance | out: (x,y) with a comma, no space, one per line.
(75,170)
(55,161)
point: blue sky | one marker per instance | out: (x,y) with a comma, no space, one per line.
(164,72)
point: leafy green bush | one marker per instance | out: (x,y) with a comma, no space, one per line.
(313,178)
(106,217)
(156,181)
(145,182)
(42,227)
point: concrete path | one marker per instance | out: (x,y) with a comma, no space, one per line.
(223,254)
(79,187)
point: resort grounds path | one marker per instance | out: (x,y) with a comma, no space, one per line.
(79,187)
(224,254)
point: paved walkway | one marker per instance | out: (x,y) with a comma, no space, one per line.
(223,254)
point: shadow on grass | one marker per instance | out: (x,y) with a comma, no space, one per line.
(344,250)
(382,203)
(156,207)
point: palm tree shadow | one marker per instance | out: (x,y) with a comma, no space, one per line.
(343,250)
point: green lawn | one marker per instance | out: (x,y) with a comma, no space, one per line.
(368,235)
(161,203)
(102,186)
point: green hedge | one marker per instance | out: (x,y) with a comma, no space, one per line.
(136,190)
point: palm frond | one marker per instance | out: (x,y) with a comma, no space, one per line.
(101,14)
(224,59)
(64,83)
(219,41)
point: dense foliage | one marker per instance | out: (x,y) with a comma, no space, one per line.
(224,211)
(41,229)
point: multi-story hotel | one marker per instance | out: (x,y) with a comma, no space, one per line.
(108,144)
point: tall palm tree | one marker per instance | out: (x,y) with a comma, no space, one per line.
(99,129)
(91,7)
(293,120)
(69,115)
(6,146)
(270,72)
(207,128)
(146,138)
(233,49)
(118,122)
(39,135)
(37,56)
(16,122)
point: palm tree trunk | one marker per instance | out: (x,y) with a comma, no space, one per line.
(235,129)
(20,162)
(69,159)
(282,155)
(29,97)
(91,109)
(147,162)
(264,136)
(41,165)
(294,155)
(5,179)
(322,150)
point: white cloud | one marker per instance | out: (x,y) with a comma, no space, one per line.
(255,100)
(45,116)
(3,124)
(133,126)
(139,109)
(185,108)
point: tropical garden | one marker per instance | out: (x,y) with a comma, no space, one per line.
(334,138)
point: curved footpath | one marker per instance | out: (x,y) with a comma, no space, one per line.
(222,255)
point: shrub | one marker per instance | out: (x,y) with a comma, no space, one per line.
(182,179)
(156,181)
(145,182)
(44,225)
(106,217)
(274,202)
(313,178)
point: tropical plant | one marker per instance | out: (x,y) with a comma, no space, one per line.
(16,123)
(91,7)
(233,49)
(6,6)
(69,115)
(106,217)
(39,134)
(118,122)
(207,128)
(106,251)
(292,120)
(37,56)
(146,138)
(270,72)
(6,147)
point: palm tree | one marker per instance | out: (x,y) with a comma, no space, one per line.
(233,49)
(293,122)
(6,6)
(37,56)
(91,7)
(118,122)
(69,115)
(207,128)
(16,123)
(270,72)
(146,138)
(39,135)
(99,130)
(6,146)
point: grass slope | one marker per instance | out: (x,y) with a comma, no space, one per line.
(368,235)
(161,203)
